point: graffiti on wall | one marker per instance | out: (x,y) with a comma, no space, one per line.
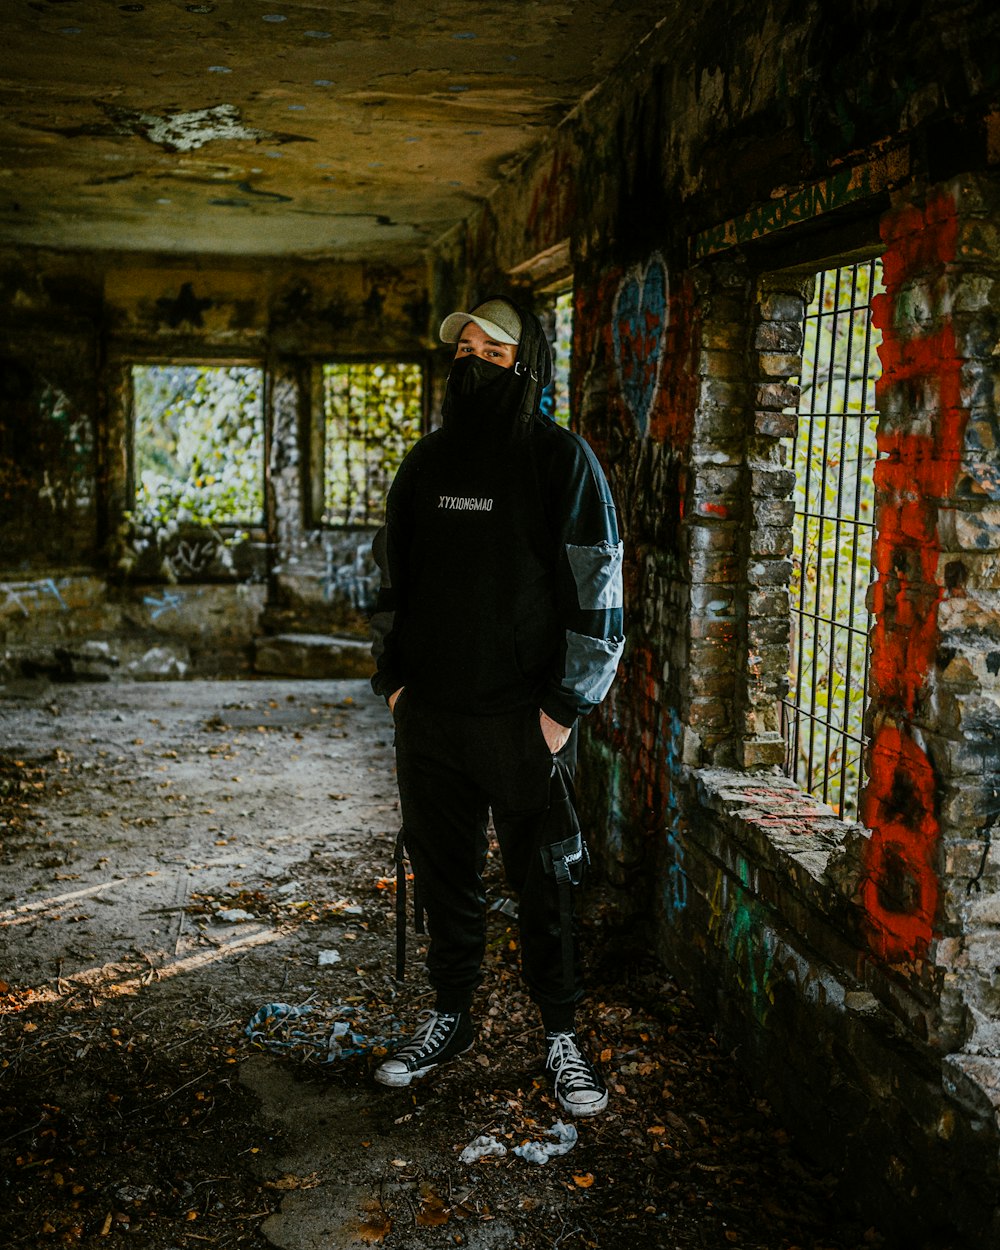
(177,553)
(22,598)
(160,605)
(350,574)
(632,340)
(638,327)
(914,471)
(675,878)
(736,921)
(730,914)
(844,187)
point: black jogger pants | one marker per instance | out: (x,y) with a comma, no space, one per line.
(453,769)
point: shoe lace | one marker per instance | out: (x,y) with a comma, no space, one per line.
(429,1035)
(567,1065)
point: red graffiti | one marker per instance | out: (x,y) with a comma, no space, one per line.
(921,373)
(672,419)
(900,890)
(675,401)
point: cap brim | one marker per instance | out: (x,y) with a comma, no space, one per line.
(455,323)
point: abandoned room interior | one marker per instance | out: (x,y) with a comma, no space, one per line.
(765,238)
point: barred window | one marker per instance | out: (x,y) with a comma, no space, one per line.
(372,415)
(833,456)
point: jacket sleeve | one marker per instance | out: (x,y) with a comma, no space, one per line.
(589,597)
(386,617)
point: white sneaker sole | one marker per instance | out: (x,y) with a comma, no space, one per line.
(583,1108)
(399,1080)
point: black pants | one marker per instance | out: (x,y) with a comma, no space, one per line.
(453,769)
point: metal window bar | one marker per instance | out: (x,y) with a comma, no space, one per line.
(833,455)
(373,413)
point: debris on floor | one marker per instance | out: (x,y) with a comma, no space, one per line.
(565,1138)
(138,1108)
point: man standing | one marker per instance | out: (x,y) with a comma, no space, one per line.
(499,624)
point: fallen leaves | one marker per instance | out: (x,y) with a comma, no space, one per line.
(288,1182)
(375,1224)
(433,1210)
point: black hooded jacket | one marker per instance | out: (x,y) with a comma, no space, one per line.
(501,556)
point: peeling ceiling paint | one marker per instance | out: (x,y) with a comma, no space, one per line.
(301,128)
(186,132)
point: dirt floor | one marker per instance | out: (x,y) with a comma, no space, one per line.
(183,858)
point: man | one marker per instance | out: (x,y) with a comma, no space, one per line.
(499,624)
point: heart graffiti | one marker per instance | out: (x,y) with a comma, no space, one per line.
(638,327)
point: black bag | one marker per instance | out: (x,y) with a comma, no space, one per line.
(418,911)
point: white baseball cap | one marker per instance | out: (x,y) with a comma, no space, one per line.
(496,318)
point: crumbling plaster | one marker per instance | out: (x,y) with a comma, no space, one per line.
(282,129)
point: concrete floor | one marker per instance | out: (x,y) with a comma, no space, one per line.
(178,855)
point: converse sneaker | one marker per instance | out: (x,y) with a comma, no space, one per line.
(578,1088)
(439,1037)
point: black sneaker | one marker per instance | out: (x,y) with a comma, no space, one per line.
(438,1038)
(578,1088)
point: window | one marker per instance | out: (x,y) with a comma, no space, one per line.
(556,397)
(833,456)
(198,445)
(372,415)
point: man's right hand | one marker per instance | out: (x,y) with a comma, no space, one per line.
(393,697)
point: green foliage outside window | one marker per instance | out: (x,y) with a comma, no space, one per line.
(199,446)
(373,414)
(834,457)
(562,358)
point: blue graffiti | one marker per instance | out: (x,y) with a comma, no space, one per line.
(638,325)
(547,403)
(675,884)
(17,593)
(168,603)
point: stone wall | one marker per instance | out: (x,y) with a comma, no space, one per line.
(852,967)
(73,572)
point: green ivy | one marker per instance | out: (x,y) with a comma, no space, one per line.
(199,457)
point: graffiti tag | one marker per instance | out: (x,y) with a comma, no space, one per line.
(639,324)
(18,596)
(167,602)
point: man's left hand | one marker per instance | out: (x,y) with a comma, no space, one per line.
(555,735)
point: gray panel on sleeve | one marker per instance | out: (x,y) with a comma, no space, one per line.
(597,572)
(591,664)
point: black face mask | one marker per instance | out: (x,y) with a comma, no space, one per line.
(471,374)
(481,393)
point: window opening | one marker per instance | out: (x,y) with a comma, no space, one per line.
(833,455)
(372,415)
(555,398)
(198,444)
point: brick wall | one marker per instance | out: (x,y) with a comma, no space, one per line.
(853,967)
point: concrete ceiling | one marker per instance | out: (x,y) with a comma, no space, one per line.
(281,127)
